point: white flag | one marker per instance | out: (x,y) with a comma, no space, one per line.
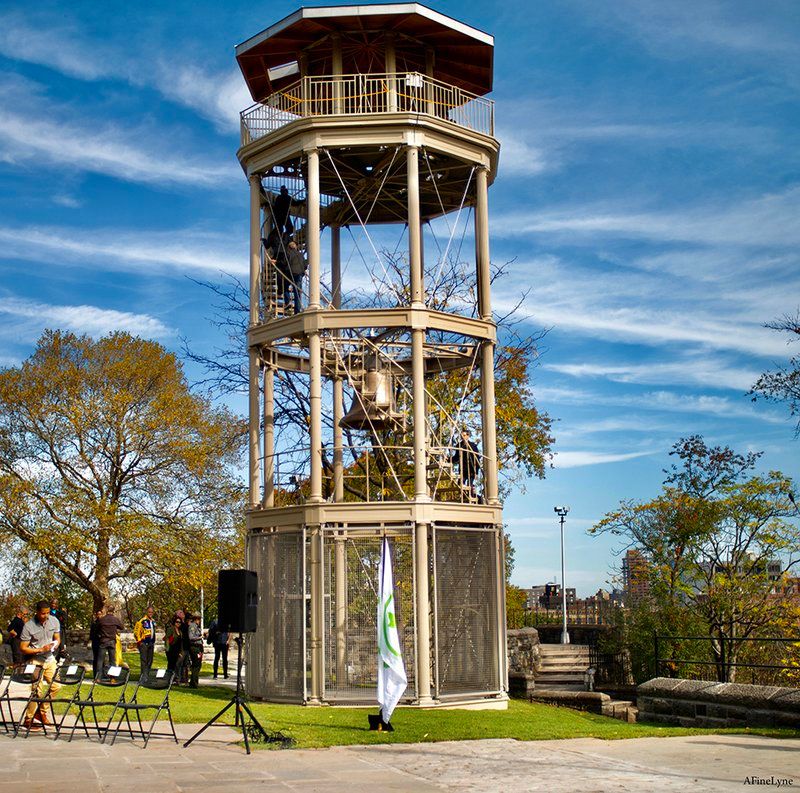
(392,680)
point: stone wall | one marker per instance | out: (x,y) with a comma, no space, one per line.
(699,703)
(524,660)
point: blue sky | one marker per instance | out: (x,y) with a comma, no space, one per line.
(648,196)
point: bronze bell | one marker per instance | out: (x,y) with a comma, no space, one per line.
(373,402)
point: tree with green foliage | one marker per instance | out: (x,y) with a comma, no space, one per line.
(111,469)
(715,540)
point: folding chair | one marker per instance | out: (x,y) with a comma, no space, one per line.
(115,680)
(25,674)
(158,680)
(5,682)
(68,676)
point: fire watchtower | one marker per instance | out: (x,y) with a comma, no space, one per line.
(373,119)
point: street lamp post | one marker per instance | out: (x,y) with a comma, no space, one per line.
(562,513)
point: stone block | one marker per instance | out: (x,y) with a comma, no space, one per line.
(521,685)
(786,699)
(661,705)
(782,718)
(745,695)
(707,721)
(760,718)
(683,707)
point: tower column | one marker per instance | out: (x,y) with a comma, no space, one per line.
(338,387)
(315,433)
(253,402)
(423,610)
(269,436)
(488,424)
(414,228)
(420,430)
(313,228)
(391,70)
(482,245)
(314,345)
(317,618)
(340,574)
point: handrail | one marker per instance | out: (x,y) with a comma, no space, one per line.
(375,481)
(366,94)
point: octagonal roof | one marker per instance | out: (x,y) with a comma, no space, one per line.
(463,55)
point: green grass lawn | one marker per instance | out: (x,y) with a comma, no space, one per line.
(327,726)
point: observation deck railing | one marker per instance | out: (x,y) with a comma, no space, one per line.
(366,94)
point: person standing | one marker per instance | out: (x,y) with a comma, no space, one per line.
(173,643)
(219,641)
(297,269)
(14,632)
(281,209)
(94,639)
(61,616)
(39,639)
(195,649)
(109,628)
(145,634)
(467,458)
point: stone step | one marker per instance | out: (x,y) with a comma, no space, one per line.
(563,668)
(623,710)
(548,681)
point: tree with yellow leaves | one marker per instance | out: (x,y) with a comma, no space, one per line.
(111,469)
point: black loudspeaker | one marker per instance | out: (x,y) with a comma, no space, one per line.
(237,601)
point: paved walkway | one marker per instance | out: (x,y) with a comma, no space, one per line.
(215,763)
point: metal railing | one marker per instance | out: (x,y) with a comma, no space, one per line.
(577,614)
(374,474)
(366,94)
(767,661)
(611,670)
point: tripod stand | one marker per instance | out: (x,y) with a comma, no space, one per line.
(237,701)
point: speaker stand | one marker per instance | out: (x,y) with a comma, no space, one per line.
(238,702)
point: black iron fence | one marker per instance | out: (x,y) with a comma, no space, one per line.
(764,661)
(577,614)
(611,670)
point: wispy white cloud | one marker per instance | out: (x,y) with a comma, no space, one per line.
(186,250)
(543,527)
(54,43)
(768,220)
(660,400)
(521,157)
(579,459)
(102,149)
(219,97)
(706,373)
(671,28)
(29,318)
(61,45)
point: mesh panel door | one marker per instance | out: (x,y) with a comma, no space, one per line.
(276,669)
(351,590)
(466,609)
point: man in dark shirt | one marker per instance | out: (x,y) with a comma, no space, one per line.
(108,628)
(14,632)
(467,458)
(281,208)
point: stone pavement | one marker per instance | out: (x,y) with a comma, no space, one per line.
(215,763)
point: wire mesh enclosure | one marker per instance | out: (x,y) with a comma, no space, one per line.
(276,665)
(465,637)
(351,603)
